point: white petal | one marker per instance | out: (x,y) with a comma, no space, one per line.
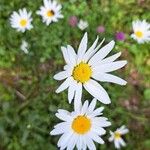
(68,55)
(72,142)
(122,142)
(71,91)
(92,105)
(111,58)
(90,54)
(84,107)
(111,138)
(97,112)
(109,67)
(102,53)
(64,139)
(90,143)
(105,77)
(117,145)
(64,85)
(72,54)
(80,143)
(61,75)
(77,99)
(124,131)
(98,130)
(101,121)
(63,117)
(97,91)
(82,47)
(96,138)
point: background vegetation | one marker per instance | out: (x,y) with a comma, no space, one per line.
(28,100)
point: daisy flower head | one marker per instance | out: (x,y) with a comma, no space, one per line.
(81,128)
(82,25)
(50,12)
(141,31)
(116,137)
(21,20)
(87,67)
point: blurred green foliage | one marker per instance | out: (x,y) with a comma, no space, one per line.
(28,100)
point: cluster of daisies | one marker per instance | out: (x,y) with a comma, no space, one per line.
(50,12)
(84,69)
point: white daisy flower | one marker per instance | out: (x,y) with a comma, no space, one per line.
(87,67)
(24,47)
(21,20)
(81,128)
(50,12)
(141,31)
(82,25)
(116,137)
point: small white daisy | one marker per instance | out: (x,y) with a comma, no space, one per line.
(116,137)
(87,66)
(141,31)
(24,47)
(81,128)
(50,12)
(21,20)
(82,25)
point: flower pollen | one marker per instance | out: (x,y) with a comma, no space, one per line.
(23,22)
(81,124)
(50,13)
(82,72)
(139,34)
(117,135)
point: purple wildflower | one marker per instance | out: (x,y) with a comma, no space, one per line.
(120,36)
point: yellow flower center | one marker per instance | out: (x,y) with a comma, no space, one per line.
(82,72)
(23,22)
(117,135)
(81,124)
(139,34)
(50,13)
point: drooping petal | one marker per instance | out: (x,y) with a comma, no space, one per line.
(78,96)
(97,91)
(71,91)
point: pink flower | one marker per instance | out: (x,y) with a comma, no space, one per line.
(100,29)
(120,36)
(73,20)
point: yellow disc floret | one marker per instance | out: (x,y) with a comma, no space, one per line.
(82,72)
(81,124)
(23,22)
(139,34)
(50,13)
(117,135)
